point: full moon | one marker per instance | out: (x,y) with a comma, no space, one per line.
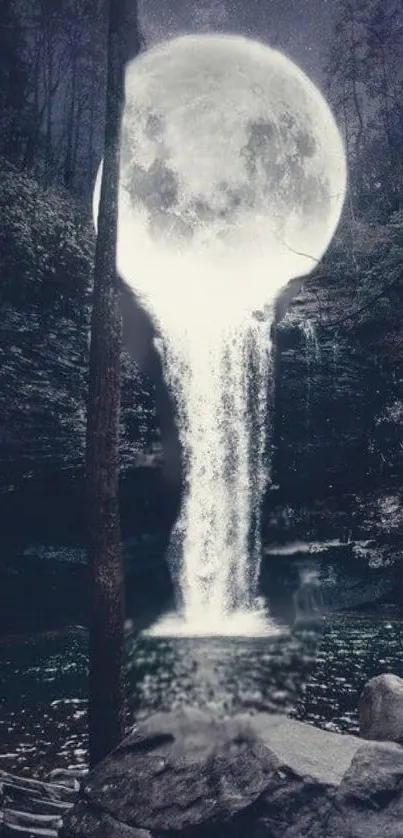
(232,181)
(230,156)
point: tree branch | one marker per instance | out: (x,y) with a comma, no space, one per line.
(365,307)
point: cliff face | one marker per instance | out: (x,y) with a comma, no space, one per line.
(43,384)
(337,430)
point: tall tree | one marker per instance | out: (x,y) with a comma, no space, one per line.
(365,78)
(14,111)
(106,679)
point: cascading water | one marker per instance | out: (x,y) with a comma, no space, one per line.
(220,379)
(312,348)
(232,181)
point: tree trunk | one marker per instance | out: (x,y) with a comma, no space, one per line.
(70,124)
(92,110)
(106,678)
(49,108)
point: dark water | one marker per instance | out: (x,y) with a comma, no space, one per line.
(313,677)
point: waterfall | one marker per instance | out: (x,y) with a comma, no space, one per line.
(312,354)
(220,379)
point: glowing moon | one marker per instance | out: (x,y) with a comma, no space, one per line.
(230,155)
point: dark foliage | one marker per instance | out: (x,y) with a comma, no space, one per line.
(46,245)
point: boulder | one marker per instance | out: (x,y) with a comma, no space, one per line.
(178,771)
(187,774)
(381,709)
(369,801)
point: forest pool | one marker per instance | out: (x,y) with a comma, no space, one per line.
(314,677)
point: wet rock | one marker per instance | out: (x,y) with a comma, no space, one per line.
(188,773)
(293,809)
(305,750)
(381,708)
(369,801)
(182,770)
(84,823)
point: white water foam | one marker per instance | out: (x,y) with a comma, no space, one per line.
(252,622)
(223,443)
(220,381)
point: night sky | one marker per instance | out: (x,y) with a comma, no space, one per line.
(299,28)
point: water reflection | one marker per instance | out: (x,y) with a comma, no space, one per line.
(353,649)
(224,674)
(43,702)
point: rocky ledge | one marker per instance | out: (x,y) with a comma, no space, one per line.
(189,775)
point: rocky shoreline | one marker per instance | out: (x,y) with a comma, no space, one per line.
(189,774)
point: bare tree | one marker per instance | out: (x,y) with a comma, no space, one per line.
(106,681)
(365,78)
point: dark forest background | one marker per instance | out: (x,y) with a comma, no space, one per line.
(337,421)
